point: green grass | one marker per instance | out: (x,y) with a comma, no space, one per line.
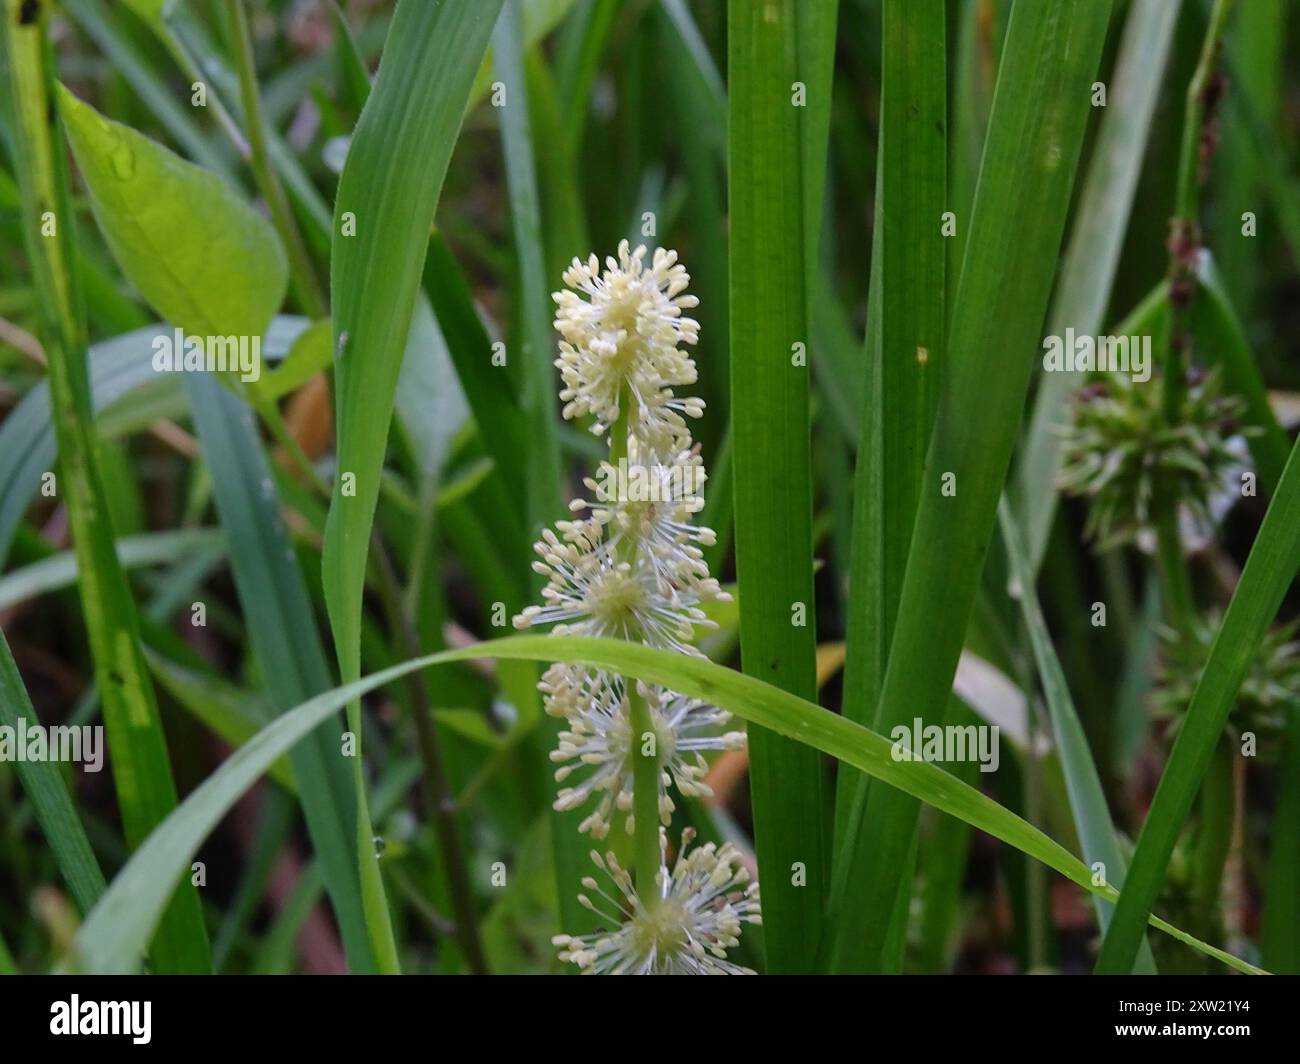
(142,775)
(771,463)
(884,208)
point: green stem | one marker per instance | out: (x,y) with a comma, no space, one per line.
(645,797)
(439,798)
(1185,229)
(1175,580)
(1213,842)
(305,283)
(645,742)
(1187,200)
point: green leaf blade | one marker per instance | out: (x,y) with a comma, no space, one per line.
(772,463)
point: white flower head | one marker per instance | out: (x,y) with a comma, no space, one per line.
(625,338)
(592,592)
(650,500)
(600,738)
(697,916)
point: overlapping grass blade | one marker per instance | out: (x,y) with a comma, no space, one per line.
(1280,920)
(1101,219)
(1269,571)
(1220,335)
(543,496)
(148,548)
(111,937)
(771,463)
(45,788)
(121,379)
(283,634)
(1087,800)
(909,287)
(384,209)
(145,790)
(1035,131)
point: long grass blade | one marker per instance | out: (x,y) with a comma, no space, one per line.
(1101,219)
(386,198)
(141,770)
(771,463)
(1087,800)
(282,630)
(906,369)
(48,793)
(1035,132)
(111,937)
(1270,569)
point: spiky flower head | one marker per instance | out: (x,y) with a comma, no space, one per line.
(1132,465)
(1270,690)
(686,930)
(593,590)
(622,333)
(649,501)
(600,738)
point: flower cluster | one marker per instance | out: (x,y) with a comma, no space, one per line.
(1268,693)
(631,566)
(621,344)
(1133,465)
(696,919)
(599,737)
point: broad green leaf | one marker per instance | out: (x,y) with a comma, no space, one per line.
(201,257)
(1270,569)
(771,462)
(111,937)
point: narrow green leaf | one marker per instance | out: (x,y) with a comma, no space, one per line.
(771,462)
(111,937)
(1097,238)
(910,287)
(146,792)
(175,229)
(1219,333)
(231,712)
(282,631)
(1270,569)
(1035,132)
(533,315)
(1087,799)
(487,387)
(1280,921)
(543,492)
(121,376)
(384,209)
(45,788)
(133,552)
